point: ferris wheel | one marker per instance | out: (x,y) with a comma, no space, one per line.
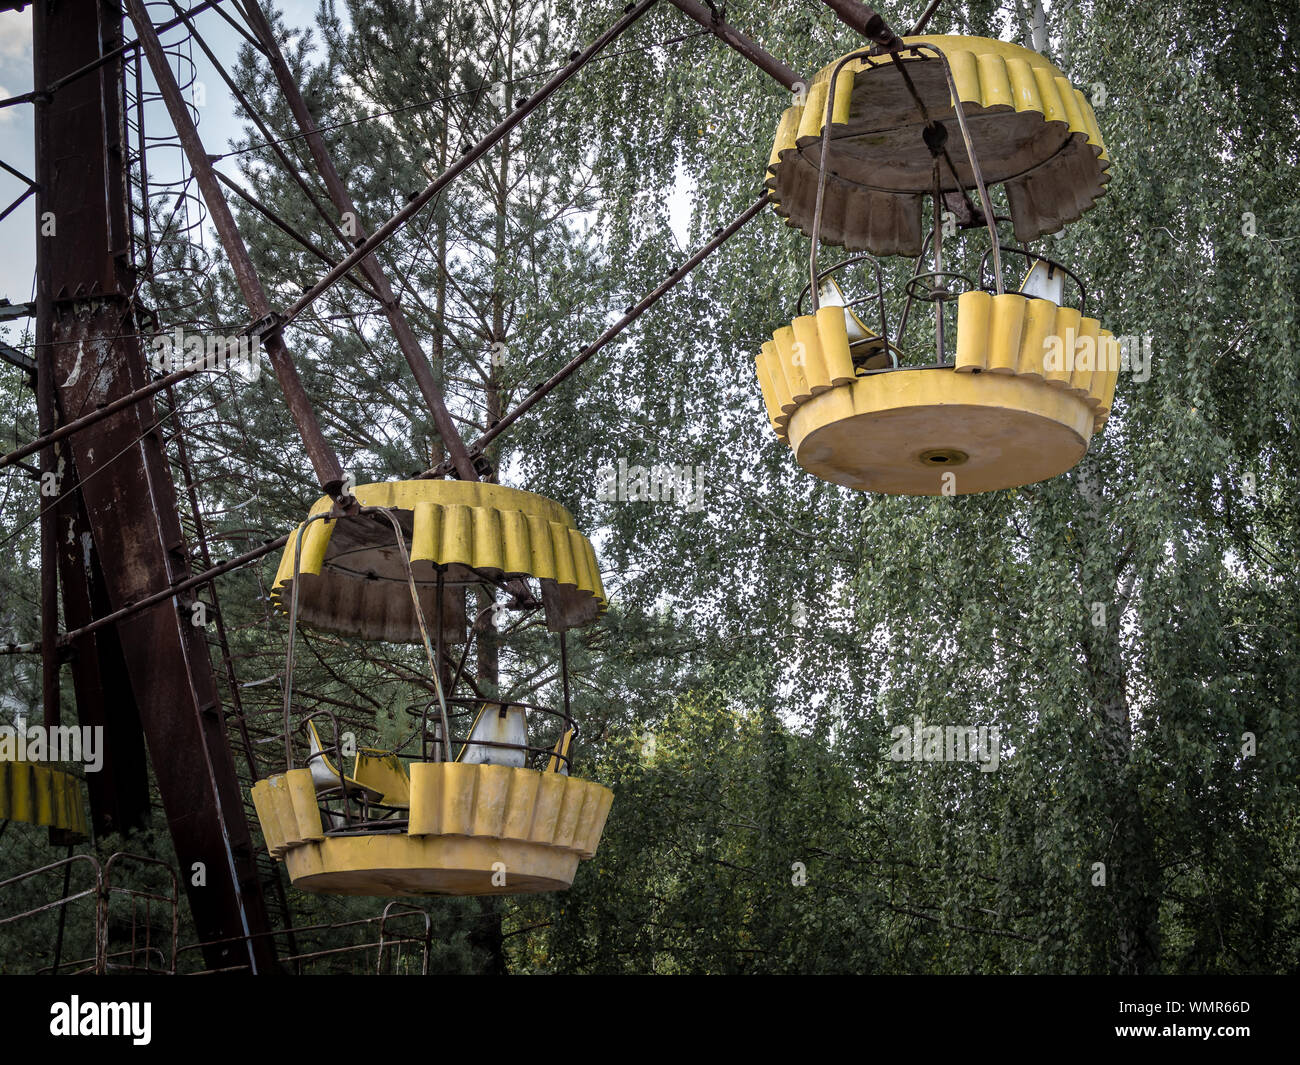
(945,351)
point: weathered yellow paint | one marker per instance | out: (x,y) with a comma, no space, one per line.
(497,531)
(873,435)
(41,795)
(1050,188)
(463,818)
(387,865)
(560,750)
(383,772)
(302,798)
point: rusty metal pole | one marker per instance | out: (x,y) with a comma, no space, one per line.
(147,676)
(475,152)
(406,339)
(323,459)
(747,47)
(866,21)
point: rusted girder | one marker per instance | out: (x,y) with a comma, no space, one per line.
(119,532)
(867,21)
(323,459)
(747,47)
(472,154)
(406,339)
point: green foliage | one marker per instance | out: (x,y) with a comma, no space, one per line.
(769,642)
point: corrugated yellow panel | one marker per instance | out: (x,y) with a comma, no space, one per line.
(522,798)
(550,795)
(457,534)
(566,825)
(1040,323)
(587,818)
(457,814)
(426,531)
(426,799)
(266,818)
(1024,89)
(974,309)
(302,797)
(786,132)
(21,806)
(994,82)
(282,801)
(966,74)
(1067,330)
(795,377)
(843,95)
(487,539)
(543,552)
(1085,357)
(516,543)
(770,403)
(780,386)
(1006,324)
(814,112)
(565,572)
(1049,96)
(582,564)
(834,336)
(490,798)
(1071,98)
(814,364)
(43,795)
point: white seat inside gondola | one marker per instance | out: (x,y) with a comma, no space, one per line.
(1045,281)
(325,775)
(866,347)
(497,724)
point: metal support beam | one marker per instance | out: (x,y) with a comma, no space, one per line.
(720,237)
(750,49)
(406,339)
(322,456)
(471,156)
(120,535)
(866,21)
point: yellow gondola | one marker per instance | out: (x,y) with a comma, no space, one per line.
(496,812)
(1017,397)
